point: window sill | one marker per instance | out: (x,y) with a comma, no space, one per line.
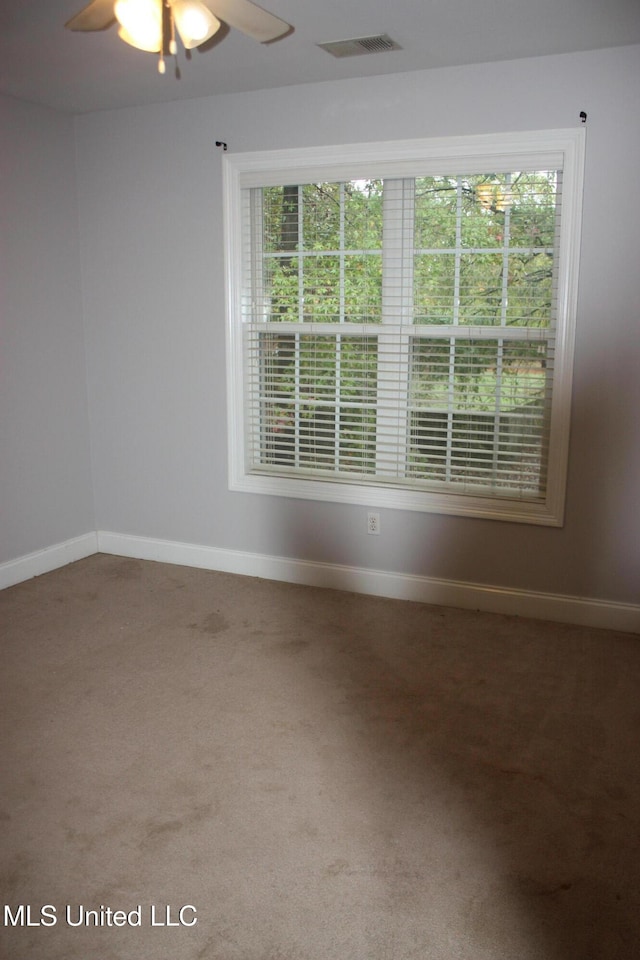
(374,494)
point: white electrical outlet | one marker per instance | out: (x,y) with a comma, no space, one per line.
(373,522)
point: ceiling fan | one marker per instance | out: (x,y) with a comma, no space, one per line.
(152,24)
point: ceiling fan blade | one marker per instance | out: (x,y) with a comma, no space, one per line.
(98,15)
(249,18)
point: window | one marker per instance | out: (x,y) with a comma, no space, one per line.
(401,322)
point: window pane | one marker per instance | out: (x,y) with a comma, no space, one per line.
(358,369)
(472,446)
(317,435)
(278,444)
(281,298)
(363,289)
(487,200)
(434,288)
(478,412)
(430,385)
(321,288)
(481,288)
(363,215)
(330,225)
(534,209)
(335,288)
(516,208)
(277,357)
(428,440)
(317,368)
(280,218)
(436,200)
(318,401)
(357,439)
(321,216)
(530,290)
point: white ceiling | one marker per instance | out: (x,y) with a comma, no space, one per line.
(42,62)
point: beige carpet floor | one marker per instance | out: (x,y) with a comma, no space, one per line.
(322,776)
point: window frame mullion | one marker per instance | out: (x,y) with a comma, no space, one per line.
(397,311)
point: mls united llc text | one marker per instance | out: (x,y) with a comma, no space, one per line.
(24,915)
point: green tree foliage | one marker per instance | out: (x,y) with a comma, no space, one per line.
(336,230)
(484,247)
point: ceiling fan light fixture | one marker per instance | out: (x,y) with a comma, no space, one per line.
(151,46)
(140,23)
(194,22)
(152,25)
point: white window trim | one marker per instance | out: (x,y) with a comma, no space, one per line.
(541,149)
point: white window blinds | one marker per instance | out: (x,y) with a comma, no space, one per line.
(401,331)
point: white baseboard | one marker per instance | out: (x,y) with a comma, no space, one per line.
(474,596)
(43,561)
(381,583)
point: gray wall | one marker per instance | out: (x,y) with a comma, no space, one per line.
(45,481)
(151,253)
(152,256)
